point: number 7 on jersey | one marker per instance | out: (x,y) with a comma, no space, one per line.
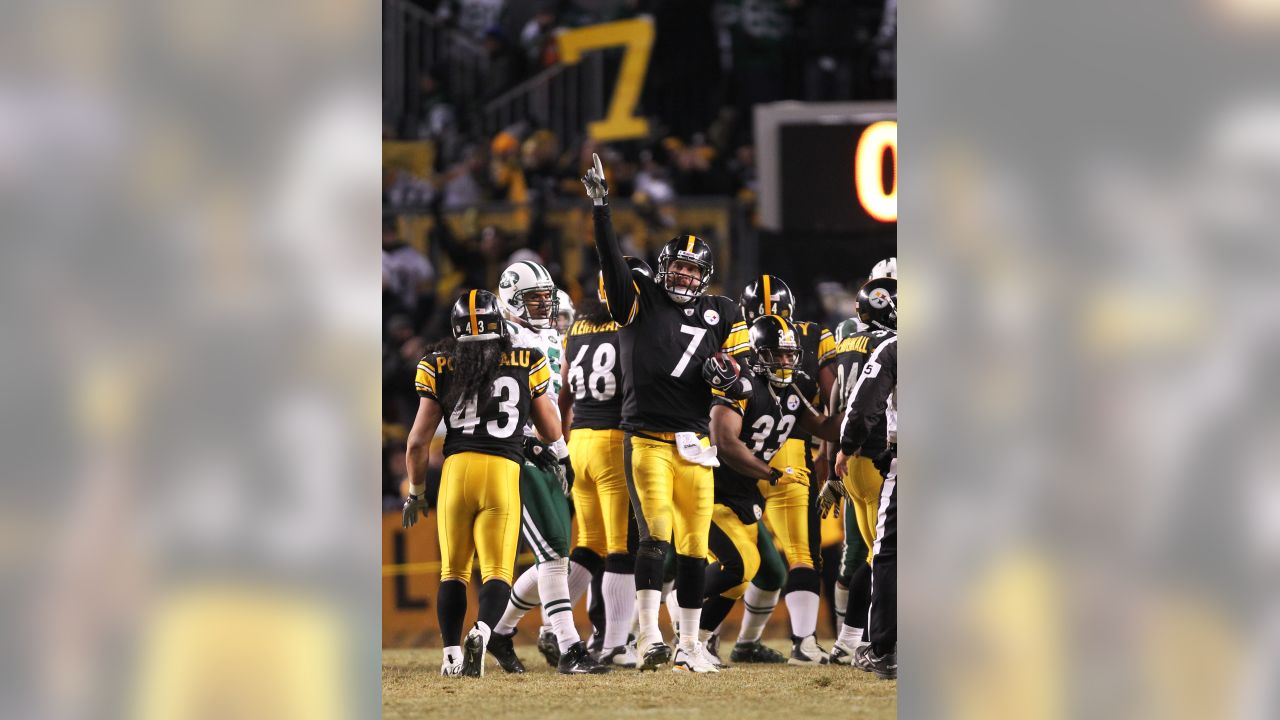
(697,334)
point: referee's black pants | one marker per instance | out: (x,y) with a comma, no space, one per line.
(883,623)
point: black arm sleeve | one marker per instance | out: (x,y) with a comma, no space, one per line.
(870,396)
(618,288)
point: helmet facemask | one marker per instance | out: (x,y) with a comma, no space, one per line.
(545,300)
(684,293)
(778,364)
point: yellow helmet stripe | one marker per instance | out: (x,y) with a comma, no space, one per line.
(475,327)
(690,247)
(767,309)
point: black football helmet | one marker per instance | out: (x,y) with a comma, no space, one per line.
(877,303)
(777,351)
(477,316)
(767,295)
(690,249)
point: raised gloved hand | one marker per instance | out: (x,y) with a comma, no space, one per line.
(411,507)
(833,491)
(597,187)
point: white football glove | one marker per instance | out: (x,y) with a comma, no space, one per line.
(411,507)
(594,181)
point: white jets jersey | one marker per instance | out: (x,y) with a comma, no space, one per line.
(548,341)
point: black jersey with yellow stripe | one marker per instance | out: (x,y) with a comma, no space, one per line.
(595,375)
(768,419)
(493,423)
(663,346)
(816,342)
(847,359)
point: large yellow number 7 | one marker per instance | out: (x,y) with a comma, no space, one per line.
(637,35)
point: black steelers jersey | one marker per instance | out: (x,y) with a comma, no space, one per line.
(492,424)
(663,348)
(847,358)
(815,341)
(768,419)
(595,375)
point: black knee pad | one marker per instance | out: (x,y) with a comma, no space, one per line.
(587,558)
(620,563)
(803,579)
(653,550)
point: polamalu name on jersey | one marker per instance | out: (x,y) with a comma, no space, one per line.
(492,423)
(595,375)
(768,419)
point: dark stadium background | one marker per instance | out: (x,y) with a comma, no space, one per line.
(485,137)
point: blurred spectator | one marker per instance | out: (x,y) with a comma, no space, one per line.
(430,115)
(465,183)
(652,179)
(405,272)
(537,38)
(473,17)
(506,64)
(762,44)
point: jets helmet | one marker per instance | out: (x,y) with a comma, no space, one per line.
(877,304)
(777,351)
(691,249)
(517,282)
(886,268)
(767,295)
(564,310)
(476,316)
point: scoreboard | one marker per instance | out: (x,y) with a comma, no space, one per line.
(827,167)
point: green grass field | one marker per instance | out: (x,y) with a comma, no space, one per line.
(412,688)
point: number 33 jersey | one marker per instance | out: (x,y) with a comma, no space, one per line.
(595,377)
(768,419)
(493,423)
(663,348)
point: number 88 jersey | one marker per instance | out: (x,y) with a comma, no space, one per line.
(491,424)
(595,376)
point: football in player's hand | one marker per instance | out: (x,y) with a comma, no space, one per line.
(721,371)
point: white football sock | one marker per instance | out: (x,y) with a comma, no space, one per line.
(647,602)
(758,606)
(635,619)
(689,620)
(802,606)
(579,582)
(850,637)
(524,597)
(619,590)
(553,586)
(841,602)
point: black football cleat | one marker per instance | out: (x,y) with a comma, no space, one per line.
(503,650)
(755,652)
(473,653)
(578,661)
(549,647)
(884,666)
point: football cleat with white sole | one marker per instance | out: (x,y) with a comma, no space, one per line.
(549,646)
(621,656)
(806,651)
(884,666)
(652,652)
(690,657)
(711,648)
(452,665)
(842,654)
(473,651)
(577,660)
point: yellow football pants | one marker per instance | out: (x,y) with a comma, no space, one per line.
(863,481)
(600,498)
(786,507)
(673,496)
(479,511)
(741,548)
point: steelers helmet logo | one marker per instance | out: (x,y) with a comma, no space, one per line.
(793,402)
(507,280)
(879,298)
(711,316)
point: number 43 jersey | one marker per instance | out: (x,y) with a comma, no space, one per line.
(490,424)
(595,377)
(662,351)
